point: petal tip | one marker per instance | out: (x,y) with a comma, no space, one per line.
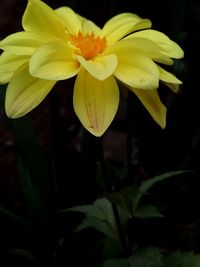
(163,125)
(11,113)
(162,120)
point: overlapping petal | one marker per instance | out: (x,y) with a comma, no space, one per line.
(150,48)
(171,49)
(53,61)
(24,43)
(39,17)
(8,64)
(89,27)
(134,68)
(95,102)
(123,24)
(160,58)
(70,19)
(151,101)
(100,68)
(169,79)
(25,92)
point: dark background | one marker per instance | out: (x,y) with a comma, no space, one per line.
(60,139)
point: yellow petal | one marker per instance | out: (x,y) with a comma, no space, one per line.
(70,19)
(123,24)
(25,92)
(39,17)
(101,67)
(53,61)
(150,48)
(95,102)
(174,87)
(89,27)
(8,64)
(171,48)
(24,43)
(161,58)
(169,79)
(135,69)
(152,102)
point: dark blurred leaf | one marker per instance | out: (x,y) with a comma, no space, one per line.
(148,257)
(32,194)
(116,263)
(110,247)
(182,259)
(33,169)
(147,211)
(14,216)
(23,255)
(146,185)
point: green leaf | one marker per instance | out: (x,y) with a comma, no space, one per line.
(124,198)
(89,210)
(101,209)
(100,225)
(129,197)
(116,263)
(147,211)
(99,215)
(147,257)
(146,185)
(182,259)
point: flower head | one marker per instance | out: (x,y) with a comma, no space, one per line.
(59,44)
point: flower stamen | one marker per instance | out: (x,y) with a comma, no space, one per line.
(88,45)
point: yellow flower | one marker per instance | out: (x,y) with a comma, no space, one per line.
(59,44)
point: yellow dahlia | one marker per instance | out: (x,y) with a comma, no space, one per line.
(59,44)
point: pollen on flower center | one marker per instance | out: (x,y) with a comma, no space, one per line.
(88,45)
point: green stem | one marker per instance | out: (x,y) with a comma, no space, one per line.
(110,189)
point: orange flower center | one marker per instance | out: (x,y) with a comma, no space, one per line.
(88,45)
